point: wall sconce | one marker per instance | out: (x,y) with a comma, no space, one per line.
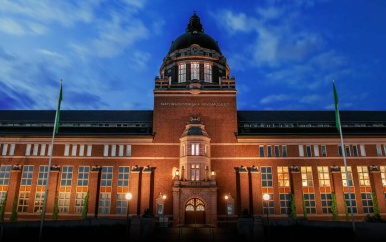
(177,172)
(212,173)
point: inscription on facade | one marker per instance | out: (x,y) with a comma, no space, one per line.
(211,104)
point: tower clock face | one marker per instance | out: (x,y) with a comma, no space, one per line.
(194,49)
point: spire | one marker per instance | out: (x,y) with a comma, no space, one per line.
(194,24)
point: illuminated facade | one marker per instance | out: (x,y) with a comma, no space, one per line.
(195,158)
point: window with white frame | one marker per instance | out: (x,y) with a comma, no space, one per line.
(261,150)
(301,151)
(355,151)
(195,172)
(25,188)
(182,72)
(379,150)
(194,71)
(307,180)
(316,150)
(65,189)
(309,150)
(207,72)
(269,151)
(346,179)
(324,150)
(195,149)
(277,151)
(284,151)
(82,188)
(362,149)
(123,188)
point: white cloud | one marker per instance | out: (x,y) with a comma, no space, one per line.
(275,98)
(10,26)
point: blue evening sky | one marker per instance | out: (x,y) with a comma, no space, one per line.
(283,54)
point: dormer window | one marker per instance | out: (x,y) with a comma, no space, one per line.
(194,71)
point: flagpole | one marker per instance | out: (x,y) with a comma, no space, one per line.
(344,155)
(49,164)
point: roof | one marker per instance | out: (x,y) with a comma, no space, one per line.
(194,35)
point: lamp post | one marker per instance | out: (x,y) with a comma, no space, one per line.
(128,197)
(226,207)
(266,199)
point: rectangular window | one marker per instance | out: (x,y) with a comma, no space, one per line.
(344,178)
(12,149)
(326,199)
(367,202)
(81,189)
(309,150)
(83,175)
(269,205)
(123,188)
(79,201)
(5,172)
(266,176)
(353,202)
(40,194)
(113,150)
(195,71)
(363,176)
(25,188)
(181,73)
(43,150)
(39,200)
(66,176)
(28,150)
(269,151)
(106,150)
(5,148)
(207,72)
(301,151)
(363,151)
(66,150)
(195,149)
(42,176)
(35,150)
(81,150)
(74,149)
(283,176)
(195,172)
(89,149)
(261,150)
(309,203)
(128,150)
(284,150)
(379,150)
(65,189)
(307,180)
(323,176)
(277,151)
(285,199)
(347,148)
(120,152)
(340,152)
(316,150)
(383,176)
(355,150)
(324,150)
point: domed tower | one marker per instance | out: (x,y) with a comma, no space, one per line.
(194,57)
(194,108)
(194,81)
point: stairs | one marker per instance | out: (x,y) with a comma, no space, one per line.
(194,233)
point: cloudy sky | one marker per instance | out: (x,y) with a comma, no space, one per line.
(283,54)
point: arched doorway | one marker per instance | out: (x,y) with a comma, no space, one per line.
(195,211)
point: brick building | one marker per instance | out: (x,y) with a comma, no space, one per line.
(195,158)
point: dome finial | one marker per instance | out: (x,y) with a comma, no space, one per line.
(194,24)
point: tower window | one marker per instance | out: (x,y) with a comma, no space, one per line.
(182,72)
(195,70)
(195,149)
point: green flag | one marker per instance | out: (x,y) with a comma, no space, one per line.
(58,109)
(336,100)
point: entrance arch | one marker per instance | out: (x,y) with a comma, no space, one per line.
(195,211)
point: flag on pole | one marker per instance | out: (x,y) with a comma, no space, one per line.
(336,100)
(57,118)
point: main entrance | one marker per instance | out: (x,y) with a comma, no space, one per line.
(195,211)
